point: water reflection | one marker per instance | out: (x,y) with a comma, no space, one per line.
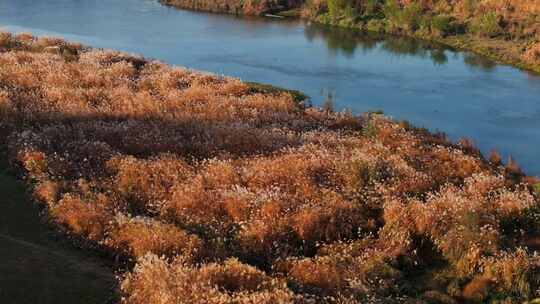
(482,63)
(348,42)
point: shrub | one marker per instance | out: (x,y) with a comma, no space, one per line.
(343,271)
(407,17)
(495,158)
(375,25)
(155,281)
(537,188)
(372,7)
(512,273)
(487,25)
(334,8)
(411,16)
(136,237)
(83,218)
(47,191)
(147,182)
(6,41)
(441,25)
(532,55)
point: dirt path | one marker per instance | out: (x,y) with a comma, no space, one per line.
(36,269)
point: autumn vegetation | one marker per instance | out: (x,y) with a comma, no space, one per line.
(208,190)
(244,7)
(505,30)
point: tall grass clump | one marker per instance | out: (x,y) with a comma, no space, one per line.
(210,190)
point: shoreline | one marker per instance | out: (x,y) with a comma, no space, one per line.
(506,52)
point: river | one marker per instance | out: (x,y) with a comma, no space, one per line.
(459,93)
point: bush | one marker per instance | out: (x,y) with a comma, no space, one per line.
(136,237)
(532,55)
(156,281)
(411,17)
(441,25)
(376,25)
(487,25)
(373,7)
(537,189)
(339,9)
(334,8)
(406,18)
(392,13)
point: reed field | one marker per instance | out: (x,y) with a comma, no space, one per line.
(206,189)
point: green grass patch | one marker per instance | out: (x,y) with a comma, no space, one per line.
(270,89)
(536,188)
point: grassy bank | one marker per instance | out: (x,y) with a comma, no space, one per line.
(211,190)
(501,51)
(261,88)
(504,31)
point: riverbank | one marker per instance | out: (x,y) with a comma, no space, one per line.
(498,50)
(215,191)
(247,7)
(496,32)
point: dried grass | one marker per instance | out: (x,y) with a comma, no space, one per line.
(224,195)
